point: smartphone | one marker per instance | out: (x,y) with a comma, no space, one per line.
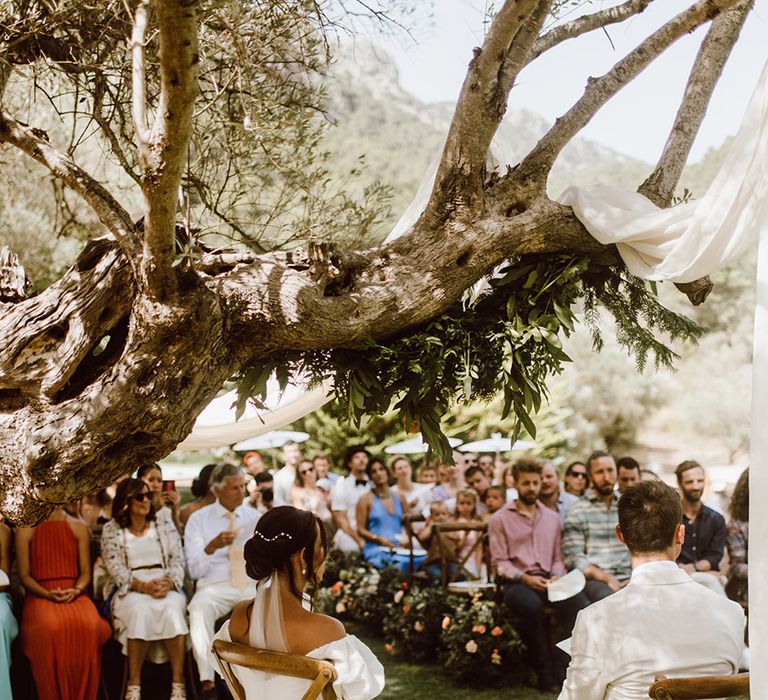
(169,485)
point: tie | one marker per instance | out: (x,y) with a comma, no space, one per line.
(361,482)
(236,558)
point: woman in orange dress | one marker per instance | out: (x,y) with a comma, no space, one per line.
(61,631)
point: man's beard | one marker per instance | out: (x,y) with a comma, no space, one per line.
(528,500)
(693,496)
(605,489)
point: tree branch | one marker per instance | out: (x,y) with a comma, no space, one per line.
(535,167)
(163,155)
(35,144)
(138,73)
(660,185)
(479,110)
(587,23)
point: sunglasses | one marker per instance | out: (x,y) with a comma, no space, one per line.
(306,471)
(141,497)
(580,475)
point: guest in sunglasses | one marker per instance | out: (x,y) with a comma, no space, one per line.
(576,479)
(145,561)
(307,495)
(61,630)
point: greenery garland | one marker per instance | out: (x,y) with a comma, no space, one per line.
(508,338)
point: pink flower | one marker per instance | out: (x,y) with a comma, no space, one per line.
(496,657)
(418,626)
(446,623)
(389,648)
(340,607)
(478,629)
(497,631)
(471,646)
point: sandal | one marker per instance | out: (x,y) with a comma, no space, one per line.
(133,692)
(178,692)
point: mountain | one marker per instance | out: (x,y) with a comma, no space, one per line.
(396,136)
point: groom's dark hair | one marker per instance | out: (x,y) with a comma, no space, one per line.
(649,514)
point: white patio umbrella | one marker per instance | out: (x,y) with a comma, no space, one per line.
(496,443)
(415,446)
(277,438)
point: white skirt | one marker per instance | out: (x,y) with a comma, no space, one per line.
(140,616)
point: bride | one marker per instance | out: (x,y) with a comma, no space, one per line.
(286,553)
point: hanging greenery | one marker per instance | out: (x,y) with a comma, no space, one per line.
(506,336)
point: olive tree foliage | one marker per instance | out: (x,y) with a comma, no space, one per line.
(213,110)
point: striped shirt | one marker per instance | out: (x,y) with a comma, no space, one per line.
(589,537)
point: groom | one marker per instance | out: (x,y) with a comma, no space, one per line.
(662,623)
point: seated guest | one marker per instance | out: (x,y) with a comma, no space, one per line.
(95,510)
(446,548)
(588,532)
(61,631)
(508,482)
(415,495)
(346,494)
(213,544)
(427,474)
(380,520)
(166,499)
(705,530)
(144,559)
(466,512)
(488,464)
(306,494)
(478,481)
(576,479)
(662,623)
(737,541)
(323,467)
(550,494)
(525,551)
(495,498)
(9,628)
(201,490)
(254,463)
(449,484)
(628,469)
(285,555)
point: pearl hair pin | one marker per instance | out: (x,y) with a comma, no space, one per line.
(284,535)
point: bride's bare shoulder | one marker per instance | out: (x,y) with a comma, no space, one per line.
(314,632)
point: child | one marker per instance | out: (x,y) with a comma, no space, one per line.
(466,512)
(495,498)
(438,513)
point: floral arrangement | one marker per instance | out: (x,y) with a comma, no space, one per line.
(470,636)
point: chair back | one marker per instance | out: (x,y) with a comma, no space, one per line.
(700,687)
(480,545)
(321,673)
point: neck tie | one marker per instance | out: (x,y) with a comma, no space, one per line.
(236,558)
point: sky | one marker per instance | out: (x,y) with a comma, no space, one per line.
(432,64)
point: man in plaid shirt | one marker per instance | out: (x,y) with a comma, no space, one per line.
(589,532)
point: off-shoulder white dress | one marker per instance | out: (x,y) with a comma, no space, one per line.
(360,674)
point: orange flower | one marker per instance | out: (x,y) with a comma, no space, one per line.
(446,623)
(406,609)
(336,587)
(497,631)
(389,648)
(404,585)
(478,629)
(418,626)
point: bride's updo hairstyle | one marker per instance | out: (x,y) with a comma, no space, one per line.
(280,533)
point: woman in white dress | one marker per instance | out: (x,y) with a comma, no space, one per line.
(286,553)
(145,561)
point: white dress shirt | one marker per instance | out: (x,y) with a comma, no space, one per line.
(346,494)
(283,485)
(662,623)
(205,524)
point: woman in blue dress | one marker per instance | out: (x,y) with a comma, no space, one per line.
(380,521)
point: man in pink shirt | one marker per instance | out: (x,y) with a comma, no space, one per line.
(525,550)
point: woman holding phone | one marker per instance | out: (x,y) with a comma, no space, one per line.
(164,493)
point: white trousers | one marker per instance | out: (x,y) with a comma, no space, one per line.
(212,600)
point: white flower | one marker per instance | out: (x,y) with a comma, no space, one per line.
(471,646)
(399,596)
(340,607)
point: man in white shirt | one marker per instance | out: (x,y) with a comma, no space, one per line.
(662,622)
(346,494)
(213,545)
(286,476)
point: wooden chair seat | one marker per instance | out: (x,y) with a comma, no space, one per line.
(699,688)
(321,673)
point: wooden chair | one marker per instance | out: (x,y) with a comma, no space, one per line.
(481,545)
(321,673)
(699,688)
(408,521)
